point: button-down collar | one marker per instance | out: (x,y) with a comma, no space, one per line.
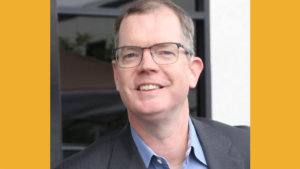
(147,154)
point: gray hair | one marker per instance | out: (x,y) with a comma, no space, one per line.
(145,6)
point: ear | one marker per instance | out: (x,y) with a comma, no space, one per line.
(116,75)
(196,67)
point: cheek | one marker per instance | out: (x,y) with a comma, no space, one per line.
(184,80)
(181,81)
(125,80)
(184,85)
(123,88)
(122,82)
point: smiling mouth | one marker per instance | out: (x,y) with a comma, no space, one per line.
(148,87)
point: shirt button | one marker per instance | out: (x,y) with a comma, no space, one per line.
(159,161)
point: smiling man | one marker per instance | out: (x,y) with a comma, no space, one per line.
(154,68)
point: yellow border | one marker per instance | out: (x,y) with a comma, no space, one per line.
(275,84)
(25,84)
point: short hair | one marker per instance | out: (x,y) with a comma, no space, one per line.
(145,6)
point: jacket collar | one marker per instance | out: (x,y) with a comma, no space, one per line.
(125,153)
(218,149)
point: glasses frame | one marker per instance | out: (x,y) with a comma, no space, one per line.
(149,47)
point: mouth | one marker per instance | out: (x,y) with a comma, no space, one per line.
(148,87)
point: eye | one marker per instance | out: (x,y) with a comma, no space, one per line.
(130,55)
(165,53)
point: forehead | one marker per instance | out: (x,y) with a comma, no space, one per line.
(159,25)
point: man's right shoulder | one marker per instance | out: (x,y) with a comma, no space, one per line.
(96,155)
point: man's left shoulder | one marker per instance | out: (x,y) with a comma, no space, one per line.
(231,132)
(219,137)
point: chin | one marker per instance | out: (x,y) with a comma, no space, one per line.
(149,114)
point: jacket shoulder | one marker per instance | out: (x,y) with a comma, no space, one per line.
(95,156)
(233,132)
(239,136)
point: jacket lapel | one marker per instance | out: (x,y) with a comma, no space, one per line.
(219,151)
(125,153)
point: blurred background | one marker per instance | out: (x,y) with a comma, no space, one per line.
(84,103)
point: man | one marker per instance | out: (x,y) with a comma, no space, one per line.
(153,71)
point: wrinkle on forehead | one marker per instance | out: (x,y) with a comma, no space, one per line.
(159,25)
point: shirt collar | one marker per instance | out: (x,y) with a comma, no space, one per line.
(146,152)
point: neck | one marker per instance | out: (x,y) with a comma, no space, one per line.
(167,137)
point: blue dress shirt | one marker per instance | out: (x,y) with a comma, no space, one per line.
(194,156)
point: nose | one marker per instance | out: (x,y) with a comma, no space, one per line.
(147,62)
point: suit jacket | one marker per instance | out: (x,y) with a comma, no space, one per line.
(225,147)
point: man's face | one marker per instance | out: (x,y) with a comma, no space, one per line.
(171,82)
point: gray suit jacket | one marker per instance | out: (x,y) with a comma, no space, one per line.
(225,147)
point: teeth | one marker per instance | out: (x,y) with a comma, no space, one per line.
(148,87)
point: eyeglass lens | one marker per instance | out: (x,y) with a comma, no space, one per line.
(165,53)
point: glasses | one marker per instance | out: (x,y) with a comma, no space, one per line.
(162,54)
